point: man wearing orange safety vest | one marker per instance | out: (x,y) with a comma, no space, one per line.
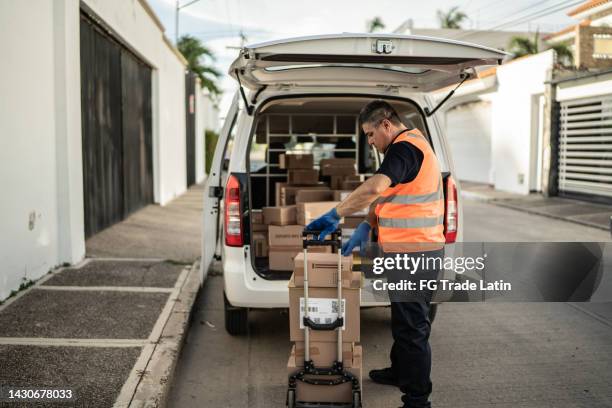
(408,211)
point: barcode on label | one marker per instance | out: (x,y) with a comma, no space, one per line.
(322,310)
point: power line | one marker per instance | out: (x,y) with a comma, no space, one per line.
(537,14)
(541,13)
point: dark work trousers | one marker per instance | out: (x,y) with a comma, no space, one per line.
(410,353)
(410,327)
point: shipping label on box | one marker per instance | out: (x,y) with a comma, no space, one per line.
(322,311)
(351,316)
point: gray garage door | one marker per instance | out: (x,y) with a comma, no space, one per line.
(116,129)
(585,147)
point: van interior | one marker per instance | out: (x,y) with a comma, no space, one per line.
(324,127)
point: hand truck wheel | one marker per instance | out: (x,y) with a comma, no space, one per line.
(290,398)
(356,399)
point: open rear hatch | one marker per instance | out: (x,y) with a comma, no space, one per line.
(420,63)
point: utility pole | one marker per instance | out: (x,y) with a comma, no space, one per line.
(176,17)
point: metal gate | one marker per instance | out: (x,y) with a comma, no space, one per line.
(116,129)
(190,127)
(585,147)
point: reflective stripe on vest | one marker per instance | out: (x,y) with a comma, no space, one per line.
(414,211)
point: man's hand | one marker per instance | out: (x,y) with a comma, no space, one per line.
(359,239)
(326,223)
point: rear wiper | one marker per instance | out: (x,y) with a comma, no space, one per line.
(463,76)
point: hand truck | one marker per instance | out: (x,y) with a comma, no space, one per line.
(308,374)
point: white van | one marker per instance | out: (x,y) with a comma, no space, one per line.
(304,94)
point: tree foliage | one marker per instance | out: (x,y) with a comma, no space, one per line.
(198,58)
(453,18)
(520,46)
(375,24)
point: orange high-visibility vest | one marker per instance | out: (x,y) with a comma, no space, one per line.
(413,212)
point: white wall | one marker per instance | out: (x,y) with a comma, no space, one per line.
(512,120)
(41,206)
(585,87)
(40,140)
(207,118)
(134,25)
(468,130)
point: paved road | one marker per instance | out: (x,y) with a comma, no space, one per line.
(484,355)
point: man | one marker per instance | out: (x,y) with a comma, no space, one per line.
(408,209)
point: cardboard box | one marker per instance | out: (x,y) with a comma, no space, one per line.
(337,167)
(304,177)
(323,393)
(285,194)
(351,222)
(287,235)
(295,161)
(352,299)
(337,180)
(281,258)
(260,242)
(257,217)
(322,270)
(306,212)
(282,215)
(309,196)
(324,354)
(341,195)
(259,228)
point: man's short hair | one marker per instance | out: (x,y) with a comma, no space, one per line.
(378,110)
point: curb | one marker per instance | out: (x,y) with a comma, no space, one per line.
(555,217)
(154,387)
(470,195)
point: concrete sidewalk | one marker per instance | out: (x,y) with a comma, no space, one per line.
(111,328)
(576,211)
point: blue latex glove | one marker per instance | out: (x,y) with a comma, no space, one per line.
(359,239)
(326,223)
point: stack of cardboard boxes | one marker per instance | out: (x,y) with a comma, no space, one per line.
(299,201)
(322,306)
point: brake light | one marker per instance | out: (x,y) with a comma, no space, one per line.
(233,215)
(451,218)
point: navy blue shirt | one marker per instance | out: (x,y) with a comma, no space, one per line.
(402,163)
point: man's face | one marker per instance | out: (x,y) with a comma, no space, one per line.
(378,135)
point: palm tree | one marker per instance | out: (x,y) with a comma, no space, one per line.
(375,24)
(520,46)
(565,57)
(452,18)
(195,53)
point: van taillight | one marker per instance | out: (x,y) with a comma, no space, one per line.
(233,218)
(451,219)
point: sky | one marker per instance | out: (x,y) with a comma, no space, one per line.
(218,23)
